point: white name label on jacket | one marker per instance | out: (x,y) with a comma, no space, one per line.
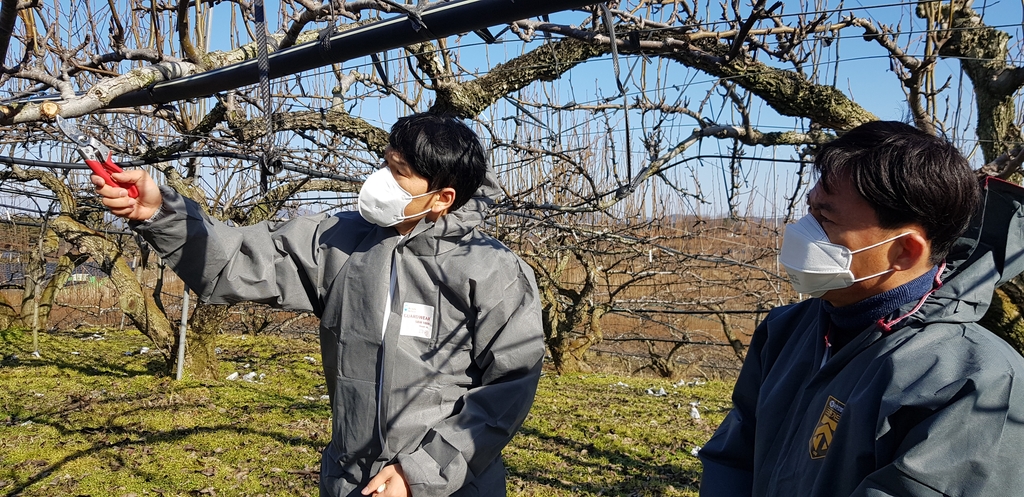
(417,320)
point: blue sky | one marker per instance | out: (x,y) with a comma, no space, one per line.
(862,72)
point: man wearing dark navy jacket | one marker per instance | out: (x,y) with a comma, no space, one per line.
(883,383)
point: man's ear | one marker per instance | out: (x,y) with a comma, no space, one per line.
(444,200)
(915,250)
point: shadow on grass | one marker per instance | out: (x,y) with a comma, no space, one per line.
(146,437)
(58,415)
(641,474)
(154,364)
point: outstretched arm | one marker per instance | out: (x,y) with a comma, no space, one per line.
(272,263)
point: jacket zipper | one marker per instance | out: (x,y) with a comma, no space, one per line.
(380,364)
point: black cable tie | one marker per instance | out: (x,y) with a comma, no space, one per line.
(324,38)
(271,162)
(609,26)
(382,71)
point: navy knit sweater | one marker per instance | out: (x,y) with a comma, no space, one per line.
(849,321)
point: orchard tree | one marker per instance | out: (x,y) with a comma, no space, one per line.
(618,129)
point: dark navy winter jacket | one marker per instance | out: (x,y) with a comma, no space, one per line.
(923,403)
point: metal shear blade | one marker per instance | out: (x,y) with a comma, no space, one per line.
(84,141)
(97,156)
(71,131)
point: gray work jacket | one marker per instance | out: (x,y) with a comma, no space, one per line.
(923,403)
(458,366)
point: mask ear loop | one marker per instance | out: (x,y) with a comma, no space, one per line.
(887,271)
(411,197)
(869,247)
(883,242)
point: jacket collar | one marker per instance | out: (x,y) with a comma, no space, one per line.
(989,254)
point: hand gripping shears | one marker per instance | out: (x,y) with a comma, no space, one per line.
(97,156)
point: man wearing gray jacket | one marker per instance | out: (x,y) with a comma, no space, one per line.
(430,330)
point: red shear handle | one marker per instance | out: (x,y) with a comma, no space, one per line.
(103,170)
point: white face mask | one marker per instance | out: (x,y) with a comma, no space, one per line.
(382,201)
(814,264)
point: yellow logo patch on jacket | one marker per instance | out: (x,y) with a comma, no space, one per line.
(821,439)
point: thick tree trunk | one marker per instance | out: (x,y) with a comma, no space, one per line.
(571,356)
(138,306)
(570,334)
(201,341)
(569,353)
(8,315)
(982,53)
(571,319)
(1004,316)
(61,275)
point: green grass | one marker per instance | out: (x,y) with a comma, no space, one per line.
(87,419)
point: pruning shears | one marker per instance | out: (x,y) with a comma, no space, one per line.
(97,156)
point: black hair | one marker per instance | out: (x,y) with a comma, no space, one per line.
(908,176)
(443,150)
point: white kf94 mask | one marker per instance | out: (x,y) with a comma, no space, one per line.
(382,201)
(814,264)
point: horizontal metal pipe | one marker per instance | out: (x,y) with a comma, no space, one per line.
(442,19)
